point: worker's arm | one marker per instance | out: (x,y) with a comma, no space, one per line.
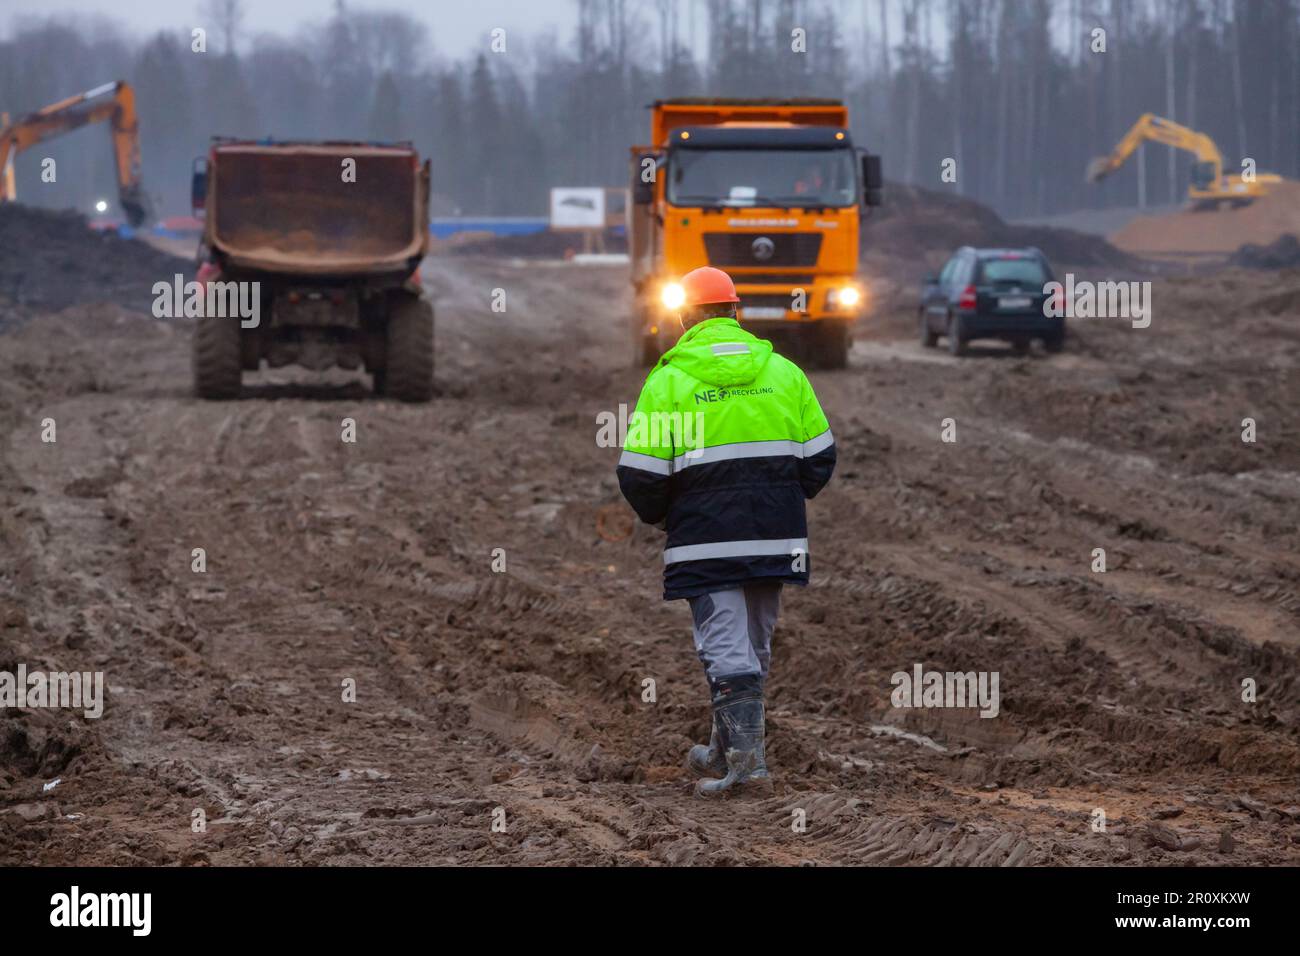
(644,469)
(818,461)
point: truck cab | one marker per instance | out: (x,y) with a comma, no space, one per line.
(772,192)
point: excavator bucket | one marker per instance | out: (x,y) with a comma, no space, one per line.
(1098,169)
(135,203)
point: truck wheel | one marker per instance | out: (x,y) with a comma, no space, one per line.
(217,359)
(832,343)
(928,339)
(408,370)
(646,348)
(956,335)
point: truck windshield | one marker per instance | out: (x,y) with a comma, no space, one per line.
(762,177)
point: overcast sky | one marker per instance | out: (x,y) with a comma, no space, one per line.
(455,26)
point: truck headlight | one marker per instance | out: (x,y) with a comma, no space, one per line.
(847,297)
(673,296)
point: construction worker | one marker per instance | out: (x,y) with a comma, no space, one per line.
(726,444)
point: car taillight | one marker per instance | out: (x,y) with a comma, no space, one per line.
(967,300)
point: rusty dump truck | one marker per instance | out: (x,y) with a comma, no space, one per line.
(326,240)
(771,191)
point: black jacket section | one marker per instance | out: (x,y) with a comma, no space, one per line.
(742,499)
(815,471)
(688,579)
(646,492)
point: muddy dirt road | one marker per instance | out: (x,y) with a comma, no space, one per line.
(372,562)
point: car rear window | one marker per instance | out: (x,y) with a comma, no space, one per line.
(1025,271)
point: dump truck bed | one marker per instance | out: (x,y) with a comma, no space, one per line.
(288,208)
(703,111)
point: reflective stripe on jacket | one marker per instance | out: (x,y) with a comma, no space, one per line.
(726,444)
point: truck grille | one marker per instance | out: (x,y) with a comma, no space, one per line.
(765,301)
(789,279)
(745,249)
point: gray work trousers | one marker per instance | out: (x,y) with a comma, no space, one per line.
(733,629)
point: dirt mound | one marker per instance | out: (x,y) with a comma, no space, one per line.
(1222,230)
(52,260)
(1284,253)
(925,226)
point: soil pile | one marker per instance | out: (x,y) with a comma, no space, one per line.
(1215,231)
(1284,253)
(52,260)
(925,226)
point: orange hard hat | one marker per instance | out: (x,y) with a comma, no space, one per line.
(706,286)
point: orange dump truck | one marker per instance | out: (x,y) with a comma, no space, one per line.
(771,191)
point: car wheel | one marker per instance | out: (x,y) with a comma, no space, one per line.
(956,335)
(928,339)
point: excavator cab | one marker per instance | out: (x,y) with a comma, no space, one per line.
(1204,175)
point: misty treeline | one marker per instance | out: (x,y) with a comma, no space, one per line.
(1013,90)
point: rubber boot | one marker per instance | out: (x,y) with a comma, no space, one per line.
(708,761)
(739,716)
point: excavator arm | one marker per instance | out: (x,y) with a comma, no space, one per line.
(92,106)
(1156,129)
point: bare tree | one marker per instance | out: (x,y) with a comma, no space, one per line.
(228,17)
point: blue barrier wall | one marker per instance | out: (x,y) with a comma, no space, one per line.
(446,227)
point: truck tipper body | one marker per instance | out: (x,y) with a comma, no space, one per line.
(333,235)
(771,191)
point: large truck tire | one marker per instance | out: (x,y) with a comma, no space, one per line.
(831,342)
(217,358)
(407,374)
(646,346)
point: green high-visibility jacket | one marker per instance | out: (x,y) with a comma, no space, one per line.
(726,444)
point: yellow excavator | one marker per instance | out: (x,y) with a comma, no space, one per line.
(112,102)
(1209,185)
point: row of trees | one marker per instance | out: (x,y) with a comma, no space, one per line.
(1020,93)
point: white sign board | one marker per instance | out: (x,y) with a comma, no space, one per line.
(575,207)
